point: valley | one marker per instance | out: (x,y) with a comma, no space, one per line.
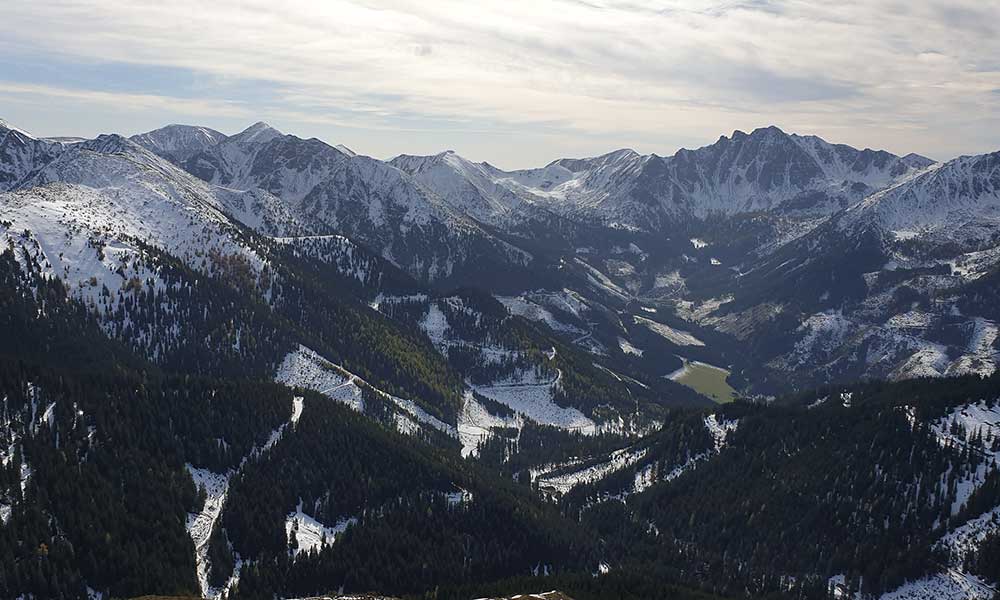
(262,366)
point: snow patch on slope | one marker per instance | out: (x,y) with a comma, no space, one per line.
(524,307)
(306,369)
(965,540)
(962,428)
(628,348)
(200,525)
(720,430)
(533,397)
(674,336)
(948,585)
(216,485)
(475,423)
(619,459)
(311,535)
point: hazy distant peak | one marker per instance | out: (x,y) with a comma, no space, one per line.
(259,132)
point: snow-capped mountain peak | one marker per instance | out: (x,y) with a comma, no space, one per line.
(346,151)
(917,161)
(109,143)
(177,143)
(765,170)
(260,132)
(21,154)
(471,188)
(6,127)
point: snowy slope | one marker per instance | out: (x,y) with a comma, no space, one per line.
(475,423)
(957,202)
(310,535)
(466,186)
(533,308)
(674,336)
(177,143)
(771,170)
(564,477)
(948,585)
(21,154)
(532,397)
(329,190)
(529,391)
(565,481)
(305,368)
(110,192)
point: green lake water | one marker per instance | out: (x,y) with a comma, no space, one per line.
(707,380)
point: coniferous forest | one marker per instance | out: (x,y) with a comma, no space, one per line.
(103,443)
(260,366)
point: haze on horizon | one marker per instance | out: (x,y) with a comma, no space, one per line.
(514,83)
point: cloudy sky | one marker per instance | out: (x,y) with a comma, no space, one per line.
(516,83)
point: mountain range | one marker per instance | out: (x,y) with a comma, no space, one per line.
(755,227)
(310,357)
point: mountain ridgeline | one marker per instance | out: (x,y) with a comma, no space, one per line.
(260,366)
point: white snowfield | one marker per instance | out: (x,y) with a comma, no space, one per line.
(628,348)
(701,311)
(626,457)
(980,418)
(973,265)
(120,189)
(311,535)
(305,368)
(674,336)
(532,396)
(966,539)
(602,282)
(949,585)
(981,358)
(618,460)
(475,424)
(201,524)
(526,307)
(83,217)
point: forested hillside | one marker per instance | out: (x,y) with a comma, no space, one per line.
(260,366)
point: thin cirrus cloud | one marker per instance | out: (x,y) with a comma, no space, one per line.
(572,77)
